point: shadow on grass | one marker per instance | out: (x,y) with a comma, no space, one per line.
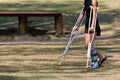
(14,31)
(8,31)
(9,78)
(44,68)
(107,17)
(2,77)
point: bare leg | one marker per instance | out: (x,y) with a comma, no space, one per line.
(101,56)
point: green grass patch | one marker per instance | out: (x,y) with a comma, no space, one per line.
(68,7)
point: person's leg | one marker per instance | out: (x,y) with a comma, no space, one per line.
(86,40)
(101,57)
(94,61)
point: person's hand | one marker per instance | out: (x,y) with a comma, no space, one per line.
(75,28)
(91,29)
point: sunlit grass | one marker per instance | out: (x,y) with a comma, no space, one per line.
(66,7)
(38,61)
(71,6)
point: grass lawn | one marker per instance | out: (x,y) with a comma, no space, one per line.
(38,60)
(69,8)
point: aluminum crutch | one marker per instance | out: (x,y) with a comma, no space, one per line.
(74,33)
(90,41)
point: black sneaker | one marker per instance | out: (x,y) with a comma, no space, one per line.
(102,61)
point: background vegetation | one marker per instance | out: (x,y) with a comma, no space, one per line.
(25,57)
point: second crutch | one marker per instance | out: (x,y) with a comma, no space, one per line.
(74,33)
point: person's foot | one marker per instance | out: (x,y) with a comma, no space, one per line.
(102,60)
(93,65)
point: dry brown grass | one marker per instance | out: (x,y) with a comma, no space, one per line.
(38,60)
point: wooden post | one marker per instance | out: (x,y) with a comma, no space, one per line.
(22,24)
(59,24)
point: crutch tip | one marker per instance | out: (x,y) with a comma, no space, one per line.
(87,67)
(60,63)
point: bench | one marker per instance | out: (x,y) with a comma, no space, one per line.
(23,18)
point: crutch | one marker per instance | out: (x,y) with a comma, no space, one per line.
(74,33)
(90,41)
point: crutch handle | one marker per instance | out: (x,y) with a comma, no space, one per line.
(75,28)
(92,7)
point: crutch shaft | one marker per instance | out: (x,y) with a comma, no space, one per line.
(90,40)
(72,37)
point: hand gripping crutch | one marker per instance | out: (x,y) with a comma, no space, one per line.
(90,41)
(74,33)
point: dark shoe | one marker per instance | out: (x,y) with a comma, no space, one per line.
(102,61)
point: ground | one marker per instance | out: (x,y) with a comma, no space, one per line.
(26,57)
